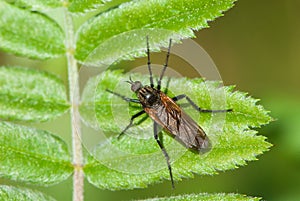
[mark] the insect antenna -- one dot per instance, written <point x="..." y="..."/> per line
<point x="149" y="64"/>
<point x="165" y="66"/>
<point x="130" y="80"/>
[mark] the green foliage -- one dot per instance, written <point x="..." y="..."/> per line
<point x="21" y="194"/>
<point x="117" y="32"/>
<point x="120" y="33"/>
<point x="208" y="197"/>
<point x="33" y="156"/>
<point x="117" y="163"/>
<point x="83" y="6"/>
<point x="36" y="4"/>
<point x="30" y="95"/>
<point x="29" y="34"/>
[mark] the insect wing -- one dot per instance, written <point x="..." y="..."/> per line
<point x="179" y="124"/>
<point x="192" y="135"/>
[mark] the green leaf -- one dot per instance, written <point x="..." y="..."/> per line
<point x="33" y="156"/>
<point x="120" y="33"/>
<point x="136" y="160"/>
<point x="30" y="95"/>
<point x="36" y="4"/>
<point x="206" y="196"/>
<point x="29" y="34"/>
<point x="22" y="194"/>
<point x="83" y="6"/>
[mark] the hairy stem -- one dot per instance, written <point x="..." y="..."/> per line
<point x="78" y="177"/>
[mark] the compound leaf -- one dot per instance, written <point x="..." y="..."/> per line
<point x="22" y="194"/>
<point x="135" y="160"/>
<point x="30" y="95"/>
<point x="33" y="156"/>
<point x="29" y="34"/>
<point x="120" y="32"/>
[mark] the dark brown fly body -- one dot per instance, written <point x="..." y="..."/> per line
<point x="166" y="113"/>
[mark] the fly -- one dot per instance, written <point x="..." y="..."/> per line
<point x="166" y="113"/>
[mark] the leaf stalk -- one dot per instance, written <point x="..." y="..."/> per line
<point x="74" y="97"/>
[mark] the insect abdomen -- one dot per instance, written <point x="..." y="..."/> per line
<point x="190" y="134"/>
<point x="178" y="124"/>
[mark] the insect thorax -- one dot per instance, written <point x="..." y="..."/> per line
<point x="149" y="96"/>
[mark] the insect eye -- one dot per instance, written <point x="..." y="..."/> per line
<point x="135" y="86"/>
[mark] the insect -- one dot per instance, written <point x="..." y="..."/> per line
<point x="166" y="113"/>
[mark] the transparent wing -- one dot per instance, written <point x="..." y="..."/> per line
<point x="179" y="124"/>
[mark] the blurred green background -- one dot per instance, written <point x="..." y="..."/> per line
<point x="256" y="46"/>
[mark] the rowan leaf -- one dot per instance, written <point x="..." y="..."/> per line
<point x="30" y="95"/>
<point x="135" y="160"/>
<point x="22" y="194"/>
<point x="120" y="32"/>
<point x="29" y="34"/>
<point x="33" y="156"/>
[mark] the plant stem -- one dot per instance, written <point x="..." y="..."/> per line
<point x="78" y="177"/>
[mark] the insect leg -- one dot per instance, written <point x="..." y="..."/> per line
<point x="164" y="151"/>
<point x="124" y="97"/>
<point x="131" y="122"/>
<point x="176" y="98"/>
<point x="149" y="64"/>
<point x="167" y="86"/>
<point x="165" y="66"/>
